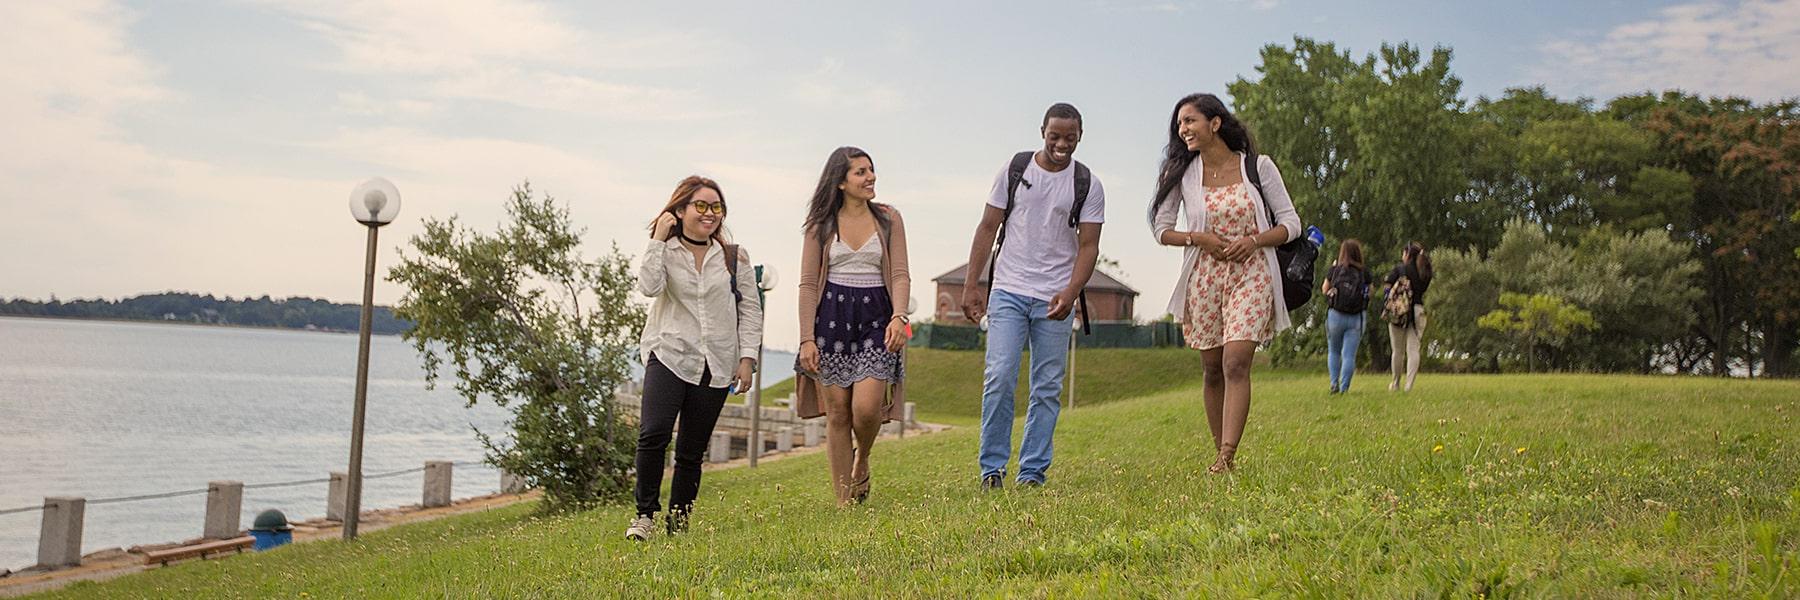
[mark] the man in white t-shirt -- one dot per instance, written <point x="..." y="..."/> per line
<point x="1046" y="256"/>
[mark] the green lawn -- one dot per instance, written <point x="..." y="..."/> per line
<point x="946" y="384"/>
<point x="1495" y="486"/>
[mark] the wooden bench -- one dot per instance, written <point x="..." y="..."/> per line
<point x="164" y="557"/>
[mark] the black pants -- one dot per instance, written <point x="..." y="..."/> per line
<point x="667" y="398"/>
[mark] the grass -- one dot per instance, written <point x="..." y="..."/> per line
<point x="1471" y="486"/>
<point x="946" y="384"/>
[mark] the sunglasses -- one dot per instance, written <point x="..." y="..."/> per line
<point x="705" y="208"/>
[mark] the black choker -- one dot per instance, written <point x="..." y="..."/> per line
<point x="693" y="241"/>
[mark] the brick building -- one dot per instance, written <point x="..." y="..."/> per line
<point x="1110" y="300"/>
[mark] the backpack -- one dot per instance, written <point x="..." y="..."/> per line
<point x="1350" y="290"/>
<point x="1398" y="308"/>
<point x="1295" y="257"/>
<point x="1015" y="175"/>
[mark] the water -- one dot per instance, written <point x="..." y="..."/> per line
<point x="107" y="409"/>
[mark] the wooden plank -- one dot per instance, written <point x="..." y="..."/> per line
<point x="201" y="550"/>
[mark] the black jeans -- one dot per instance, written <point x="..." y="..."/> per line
<point x="667" y="398"/>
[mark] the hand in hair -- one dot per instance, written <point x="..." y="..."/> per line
<point x="665" y="226"/>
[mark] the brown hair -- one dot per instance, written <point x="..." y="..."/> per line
<point x="1418" y="261"/>
<point x="1350" y="253"/>
<point x="684" y="193"/>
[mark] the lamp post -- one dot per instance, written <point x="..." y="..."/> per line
<point x="374" y="203"/>
<point x="765" y="281"/>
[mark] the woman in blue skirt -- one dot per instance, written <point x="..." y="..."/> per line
<point x="854" y="285"/>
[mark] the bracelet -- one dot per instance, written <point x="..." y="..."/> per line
<point x="805" y="342"/>
<point x="903" y="319"/>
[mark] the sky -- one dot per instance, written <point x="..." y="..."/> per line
<point x="210" y="146"/>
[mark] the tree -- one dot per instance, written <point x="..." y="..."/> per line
<point x="1537" y="321"/>
<point x="524" y="321"/>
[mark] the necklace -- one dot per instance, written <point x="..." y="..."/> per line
<point x="693" y="241"/>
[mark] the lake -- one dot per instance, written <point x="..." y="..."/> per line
<point x="110" y="409"/>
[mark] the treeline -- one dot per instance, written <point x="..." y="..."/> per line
<point x="1669" y="219"/>
<point x="292" y="313"/>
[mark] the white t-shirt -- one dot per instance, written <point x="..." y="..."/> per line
<point x="1039" y="256"/>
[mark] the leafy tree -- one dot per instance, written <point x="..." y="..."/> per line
<point x="524" y="321"/>
<point x="1537" y="321"/>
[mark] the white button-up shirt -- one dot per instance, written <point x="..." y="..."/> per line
<point x="693" y="326"/>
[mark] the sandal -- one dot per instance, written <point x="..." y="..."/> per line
<point x="1226" y="461"/>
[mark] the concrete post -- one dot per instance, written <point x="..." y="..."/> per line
<point x="335" y="493"/>
<point x="721" y="447"/>
<point x="224" y="509"/>
<point x="908" y="418"/>
<point x="437" y="483"/>
<point x="784" y="439"/>
<point x="512" y="484"/>
<point x="815" y="433"/>
<point x="59" y="541"/>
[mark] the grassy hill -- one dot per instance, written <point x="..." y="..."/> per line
<point x="946" y="384"/>
<point x="1495" y="486"/>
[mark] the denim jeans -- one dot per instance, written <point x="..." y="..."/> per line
<point x="1342" y="333"/>
<point x="1014" y="322"/>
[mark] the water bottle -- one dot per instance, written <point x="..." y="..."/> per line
<point x="1315" y="236"/>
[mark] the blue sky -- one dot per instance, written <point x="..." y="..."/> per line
<point x="210" y="145"/>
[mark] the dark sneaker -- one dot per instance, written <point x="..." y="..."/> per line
<point x="641" y="528"/>
<point x="992" y="482"/>
<point x="678" y="520"/>
<point x="1030" y="483"/>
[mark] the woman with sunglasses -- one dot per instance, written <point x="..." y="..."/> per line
<point x="699" y="345"/>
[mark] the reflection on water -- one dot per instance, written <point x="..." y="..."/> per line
<point x="106" y="409"/>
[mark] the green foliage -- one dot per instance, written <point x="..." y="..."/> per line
<point x="1536" y="321"/>
<point x="1540" y="486"/>
<point x="291" y="313"/>
<point x="523" y="321"/>
<point x="1638" y="287"/>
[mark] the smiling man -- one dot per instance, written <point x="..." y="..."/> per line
<point x="1046" y="210"/>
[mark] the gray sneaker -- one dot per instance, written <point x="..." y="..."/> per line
<point x="641" y="528"/>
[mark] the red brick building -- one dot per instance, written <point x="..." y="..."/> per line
<point x="1110" y="300"/>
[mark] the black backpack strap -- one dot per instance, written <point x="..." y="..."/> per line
<point x="1015" y="175"/>
<point x="1084" y="179"/>
<point x="1254" y="176"/>
<point x="731" y="266"/>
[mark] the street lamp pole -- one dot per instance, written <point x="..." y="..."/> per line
<point x="374" y="203"/>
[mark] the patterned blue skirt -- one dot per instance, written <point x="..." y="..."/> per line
<point x="848" y="330"/>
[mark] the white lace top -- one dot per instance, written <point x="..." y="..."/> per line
<point x="856" y="267"/>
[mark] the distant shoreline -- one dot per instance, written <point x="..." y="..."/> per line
<point x="189" y="324"/>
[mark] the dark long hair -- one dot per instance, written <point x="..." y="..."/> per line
<point x="684" y="194"/>
<point x="1177" y="156"/>
<point x="821" y="213"/>
<point x="1418" y="261"/>
<point x="1350" y="254"/>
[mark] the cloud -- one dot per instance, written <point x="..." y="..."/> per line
<point x="1749" y="48"/>
<point x="1179" y="6"/>
<point x="831" y="86"/>
<point x="513" y="52"/>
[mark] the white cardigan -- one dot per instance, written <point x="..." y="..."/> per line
<point x="1163" y="219"/>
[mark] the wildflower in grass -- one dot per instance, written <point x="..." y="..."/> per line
<point x="1438" y="449"/>
<point x="1519" y="450"/>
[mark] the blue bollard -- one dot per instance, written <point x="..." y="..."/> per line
<point x="271" y="529"/>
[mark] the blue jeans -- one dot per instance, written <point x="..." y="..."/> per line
<point x="1342" y="333"/>
<point x="1014" y="321"/>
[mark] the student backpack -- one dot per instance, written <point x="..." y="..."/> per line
<point x="1295" y="256"/>
<point x="1015" y="175"/>
<point x="1398" y="307"/>
<point x="1350" y="290"/>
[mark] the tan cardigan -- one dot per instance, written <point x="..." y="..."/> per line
<point x="813" y="269"/>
